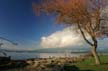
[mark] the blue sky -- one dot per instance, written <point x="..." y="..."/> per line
<point x="19" y="24"/>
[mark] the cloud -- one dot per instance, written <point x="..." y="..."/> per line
<point x="7" y="45"/>
<point x="31" y="45"/>
<point x="64" y="38"/>
<point x="69" y="38"/>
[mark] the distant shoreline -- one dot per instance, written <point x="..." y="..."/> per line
<point x="27" y="55"/>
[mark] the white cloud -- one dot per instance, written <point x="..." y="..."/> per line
<point x="7" y="45"/>
<point x="64" y="38"/>
<point x="68" y="38"/>
<point x="21" y="46"/>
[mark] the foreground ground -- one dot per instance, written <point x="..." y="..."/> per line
<point x="89" y="64"/>
<point x="65" y="64"/>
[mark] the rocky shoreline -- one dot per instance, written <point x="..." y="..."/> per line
<point x="42" y="64"/>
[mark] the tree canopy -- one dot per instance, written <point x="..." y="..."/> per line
<point x="87" y="15"/>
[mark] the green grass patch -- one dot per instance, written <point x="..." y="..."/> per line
<point x="89" y="64"/>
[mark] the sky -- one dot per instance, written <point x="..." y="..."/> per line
<point x="19" y="24"/>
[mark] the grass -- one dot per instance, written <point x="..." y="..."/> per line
<point x="88" y="65"/>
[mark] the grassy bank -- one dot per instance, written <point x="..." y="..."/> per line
<point x="88" y="64"/>
<point x="66" y="65"/>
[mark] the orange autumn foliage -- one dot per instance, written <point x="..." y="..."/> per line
<point x="86" y="15"/>
<point x="74" y="12"/>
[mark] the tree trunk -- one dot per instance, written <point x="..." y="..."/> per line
<point x="95" y="54"/>
<point x="94" y="44"/>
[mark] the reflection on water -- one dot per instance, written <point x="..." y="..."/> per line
<point x="26" y="55"/>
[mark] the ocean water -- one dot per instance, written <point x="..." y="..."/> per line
<point x="27" y="55"/>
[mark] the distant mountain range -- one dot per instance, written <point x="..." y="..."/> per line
<point x="58" y="50"/>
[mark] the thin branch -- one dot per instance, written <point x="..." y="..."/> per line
<point x="98" y="25"/>
<point x="84" y="36"/>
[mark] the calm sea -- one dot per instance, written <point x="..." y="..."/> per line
<point x="26" y="55"/>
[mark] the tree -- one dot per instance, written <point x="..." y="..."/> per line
<point x="83" y="14"/>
